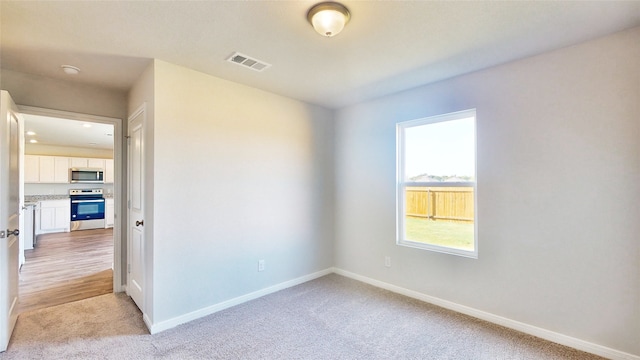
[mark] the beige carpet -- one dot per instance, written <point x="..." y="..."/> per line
<point x="329" y="318"/>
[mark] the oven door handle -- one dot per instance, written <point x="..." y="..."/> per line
<point x="85" y="201"/>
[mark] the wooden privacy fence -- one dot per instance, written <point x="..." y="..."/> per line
<point x="453" y="204"/>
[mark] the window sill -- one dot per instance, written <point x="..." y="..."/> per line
<point x="440" y="249"/>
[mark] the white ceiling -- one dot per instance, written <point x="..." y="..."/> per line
<point x="388" y="46"/>
<point x="73" y="133"/>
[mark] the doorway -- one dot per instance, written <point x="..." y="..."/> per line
<point x="67" y="265"/>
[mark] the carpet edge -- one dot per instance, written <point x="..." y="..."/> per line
<point x="155" y="328"/>
<point x="549" y="335"/>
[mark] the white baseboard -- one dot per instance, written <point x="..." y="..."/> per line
<point x="496" y="319"/>
<point x="168" y="324"/>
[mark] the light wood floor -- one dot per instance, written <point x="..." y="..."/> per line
<point x="66" y="267"/>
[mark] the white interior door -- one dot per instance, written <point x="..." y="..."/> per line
<point x="9" y="217"/>
<point x="136" y="248"/>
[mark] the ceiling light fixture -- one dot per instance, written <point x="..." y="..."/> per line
<point x="328" y="18"/>
<point x="70" y="70"/>
<point x="33" y="141"/>
<point x="86" y="125"/>
<point x="30" y="133"/>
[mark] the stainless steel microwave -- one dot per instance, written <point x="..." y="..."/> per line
<point x="86" y="175"/>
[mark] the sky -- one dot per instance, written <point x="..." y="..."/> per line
<point x="443" y="149"/>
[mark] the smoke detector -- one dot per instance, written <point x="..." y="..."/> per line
<point x="247" y="61"/>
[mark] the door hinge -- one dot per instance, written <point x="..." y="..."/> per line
<point x="128" y="204"/>
<point x="129" y="268"/>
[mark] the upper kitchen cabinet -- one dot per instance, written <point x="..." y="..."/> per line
<point x="95" y="163"/>
<point x="55" y="169"/>
<point x="76" y="162"/>
<point x="60" y="169"/>
<point x="46" y="169"/>
<point x="31" y="168"/>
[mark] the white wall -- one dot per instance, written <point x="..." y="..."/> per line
<point x="558" y="174"/>
<point x="71" y="151"/>
<point x="39" y="91"/>
<point x="239" y="175"/>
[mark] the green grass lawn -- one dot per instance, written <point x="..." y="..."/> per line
<point x="456" y="235"/>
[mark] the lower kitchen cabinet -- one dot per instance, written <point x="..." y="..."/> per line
<point x="55" y="216"/>
<point x="109" y="214"/>
<point x="29" y="226"/>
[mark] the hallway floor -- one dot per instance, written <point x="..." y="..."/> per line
<point x="66" y="267"/>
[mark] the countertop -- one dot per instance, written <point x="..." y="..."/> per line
<point x="33" y="199"/>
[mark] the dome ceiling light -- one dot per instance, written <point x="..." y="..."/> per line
<point x="328" y="18"/>
<point x="70" y="70"/>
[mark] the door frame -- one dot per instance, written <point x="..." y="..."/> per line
<point x="119" y="174"/>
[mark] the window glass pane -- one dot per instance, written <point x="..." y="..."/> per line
<point x="440" y="216"/>
<point x="443" y="151"/>
<point x="439" y="213"/>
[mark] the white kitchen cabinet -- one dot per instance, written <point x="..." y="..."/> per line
<point x="95" y="163"/>
<point x="55" y="216"/>
<point x="108" y="171"/>
<point x="76" y="162"/>
<point x="29" y="221"/>
<point x="36" y="220"/>
<point x="46" y="169"/>
<point x="55" y="169"/>
<point x="31" y="168"/>
<point x="109" y="214"/>
<point x="61" y="169"/>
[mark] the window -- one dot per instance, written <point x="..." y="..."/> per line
<point x="436" y="183"/>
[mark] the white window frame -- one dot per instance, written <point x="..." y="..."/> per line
<point x="401" y="184"/>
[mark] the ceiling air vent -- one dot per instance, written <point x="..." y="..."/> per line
<point x="247" y="61"/>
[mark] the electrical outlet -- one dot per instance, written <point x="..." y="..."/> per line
<point x="387" y="261"/>
<point x="260" y="265"/>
